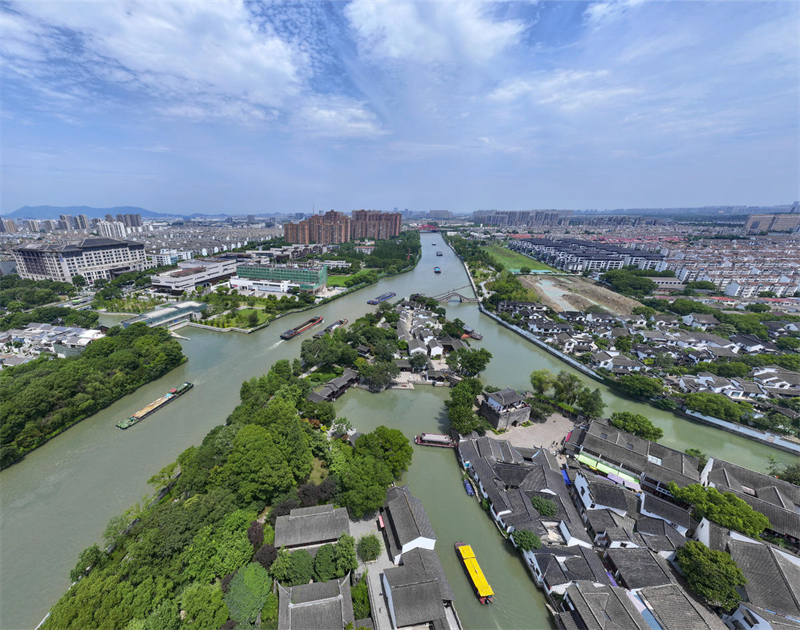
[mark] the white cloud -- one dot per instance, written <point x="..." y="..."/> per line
<point x="338" y="117"/>
<point x="566" y="89"/>
<point x="173" y="51"/>
<point x="431" y="31"/>
<point x="606" y="11"/>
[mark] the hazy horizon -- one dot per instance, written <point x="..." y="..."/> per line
<point x="227" y="107"/>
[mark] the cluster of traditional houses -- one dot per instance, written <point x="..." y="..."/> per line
<point x="577" y="334"/>
<point x="21" y="345"/>
<point x="412" y="583"/>
<point x="608" y="550"/>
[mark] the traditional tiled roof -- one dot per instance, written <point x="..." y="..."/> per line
<point x="316" y="606"/>
<point x="639" y="568"/>
<point x="311" y="526"/>
<point x="773" y="581"/>
<point x="407" y="518"/>
<point x="674" y="609"/>
<point x="601" y="608"/>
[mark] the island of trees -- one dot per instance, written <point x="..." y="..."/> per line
<point x="44" y="397"/>
<point x="202" y="556"/>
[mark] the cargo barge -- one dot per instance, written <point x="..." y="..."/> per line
<point x="434" y="439"/>
<point x="337" y="324"/>
<point x="474" y="572"/>
<point x="437" y="270"/>
<point x="154" y="406"/>
<point x="297" y="330"/>
<point x="381" y="298"/>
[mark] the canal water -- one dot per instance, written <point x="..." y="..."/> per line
<point x="58" y="500"/>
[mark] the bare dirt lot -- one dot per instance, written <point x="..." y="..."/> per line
<point x="567" y="293"/>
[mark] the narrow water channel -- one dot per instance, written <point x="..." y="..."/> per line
<point x="58" y="500"/>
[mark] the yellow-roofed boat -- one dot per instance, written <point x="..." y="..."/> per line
<point x="473" y="569"/>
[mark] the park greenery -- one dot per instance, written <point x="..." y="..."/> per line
<point x="712" y="575"/>
<point x="203" y="555"/>
<point x="718" y="406"/>
<point x="459" y="407"/>
<point x="723" y="508"/>
<point x="469" y="362"/>
<point x="17" y="294"/>
<point x="41" y="398"/>
<point x="637" y="424"/>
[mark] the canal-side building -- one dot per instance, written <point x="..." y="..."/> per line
<point x="307" y="277"/>
<point x="92" y="258"/>
<point x="417" y="590"/>
<point x="407" y="523"/>
<point x="505" y="409"/>
<point x="169" y="315"/>
<point x="194" y="273"/>
<point x="311" y="527"/>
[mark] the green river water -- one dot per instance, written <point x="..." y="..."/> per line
<point x="58" y="500"/>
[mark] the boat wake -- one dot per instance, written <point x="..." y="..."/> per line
<point x="275" y="345"/>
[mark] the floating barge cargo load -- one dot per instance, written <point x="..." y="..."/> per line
<point x="434" y="439"/>
<point x="154" y="406"/>
<point x="337" y="324"/>
<point x="381" y="298"/>
<point x="473" y="569"/>
<point x="293" y="332"/>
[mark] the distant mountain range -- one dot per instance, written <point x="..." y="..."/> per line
<point x="52" y="212"/>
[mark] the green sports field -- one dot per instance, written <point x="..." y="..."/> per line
<point x="515" y="260"/>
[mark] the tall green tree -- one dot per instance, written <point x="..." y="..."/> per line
<point x="204" y="607"/>
<point x="542" y="381"/>
<point x="723" y="508"/>
<point x="567" y="387"/>
<point x="256" y="469"/>
<point x="390" y="446"/>
<point x="248" y="593"/>
<point x="637" y="424"/>
<point x="712" y="575"/>
<point x="591" y="403"/>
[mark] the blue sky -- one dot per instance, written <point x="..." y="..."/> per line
<point x="249" y="107"/>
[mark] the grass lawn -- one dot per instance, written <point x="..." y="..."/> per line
<point x="318" y="471"/>
<point x="514" y="260"/>
<point x="338" y="281"/>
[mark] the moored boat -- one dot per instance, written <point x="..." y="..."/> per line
<point x="381" y="298"/>
<point x="434" y="439"/>
<point x="477" y="579"/>
<point x="337" y="324"/>
<point x="438" y="253"/>
<point x="297" y="330"/>
<point x="154" y="406"/>
<point x="468" y="487"/>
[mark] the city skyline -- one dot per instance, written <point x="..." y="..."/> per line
<point x="613" y="104"/>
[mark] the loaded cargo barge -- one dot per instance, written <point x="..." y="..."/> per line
<point x="435" y="439"/>
<point x="154" y="406"/>
<point x="297" y="330"/>
<point x="337" y="324"/>
<point x="474" y="572"/>
<point x="381" y="298"/>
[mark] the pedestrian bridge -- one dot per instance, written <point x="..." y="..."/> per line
<point x="455" y="294"/>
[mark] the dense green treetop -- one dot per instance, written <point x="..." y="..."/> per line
<point x="712" y="575"/>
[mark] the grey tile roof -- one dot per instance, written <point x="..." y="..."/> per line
<point x="666" y="510"/>
<point x="601" y="608"/>
<point x="317" y="606"/>
<point x="506" y="397"/>
<point x="773" y="581"/>
<point x="674" y="609"/>
<point x="776" y="622"/>
<point x="427" y="561"/>
<point x="407" y="517"/>
<point x="416" y="598"/>
<point x="311" y="526"/>
<point x="639" y="568"/>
